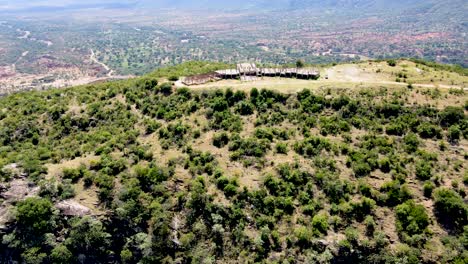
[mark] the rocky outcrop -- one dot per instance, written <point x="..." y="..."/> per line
<point x="72" y="208"/>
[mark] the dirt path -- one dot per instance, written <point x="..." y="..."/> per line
<point x="92" y="57"/>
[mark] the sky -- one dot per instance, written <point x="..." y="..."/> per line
<point x="16" y="5"/>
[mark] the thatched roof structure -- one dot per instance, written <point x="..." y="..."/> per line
<point x="250" y="72"/>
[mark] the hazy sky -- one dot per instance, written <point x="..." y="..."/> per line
<point x="26" y="4"/>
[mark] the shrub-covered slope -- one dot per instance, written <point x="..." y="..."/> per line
<point x="178" y="176"/>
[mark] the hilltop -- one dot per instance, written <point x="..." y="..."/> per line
<point x="372" y="73"/>
<point x="142" y="171"/>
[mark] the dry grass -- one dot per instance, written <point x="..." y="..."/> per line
<point x="352" y="76"/>
<point x="55" y="170"/>
<point x="88" y="197"/>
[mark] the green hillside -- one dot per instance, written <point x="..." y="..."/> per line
<point x="139" y="171"/>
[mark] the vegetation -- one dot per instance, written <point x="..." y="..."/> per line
<point x="180" y="176"/>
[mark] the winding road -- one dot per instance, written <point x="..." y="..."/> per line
<point x="92" y="57"/>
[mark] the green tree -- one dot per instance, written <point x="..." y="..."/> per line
<point x="412" y="142"/>
<point x="452" y="210"/>
<point x="35" y="215"/>
<point x="33" y="256"/>
<point x="88" y="236"/>
<point x="412" y="218"/>
<point x="454" y="133"/>
<point x="451" y="115"/>
<point x="392" y="63"/>
<point x="300" y="64"/>
<point x="320" y="223"/>
<point x="61" y="255"/>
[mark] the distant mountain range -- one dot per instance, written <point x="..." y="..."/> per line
<point x="344" y="5"/>
<point x="335" y="5"/>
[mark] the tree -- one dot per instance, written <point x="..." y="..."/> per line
<point x="220" y="140"/>
<point x="61" y="255"/>
<point x="87" y="236"/>
<point x="174" y="78"/>
<point x="320" y="223"/>
<point x="451" y="210"/>
<point x="300" y="64"/>
<point x="454" y="133"/>
<point x="412" y="218"/>
<point x="33" y="256"/>
<point x="423" y="170"/>
<point x="166" y="88"/>
<point x="451" y="115"/>
<point x="35" y="215"/>
<point x="411" y="142"/>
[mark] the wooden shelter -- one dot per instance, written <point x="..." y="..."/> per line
<point x="228" y="74"/>
<point x="201" y="79"/>
<point x="250" y="72"/>
<point x="247" y="69"/>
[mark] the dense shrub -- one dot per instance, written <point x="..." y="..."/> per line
<point x="312" y="146"/>
<point x="320" y="224"/>
<point x="249" y="147"/>
<point x="451" y="115"/>
<point x="428" y="188"/>
<point x="412" y="219"/>
<point x="411" y="142"/>
<point x="245" y="108"/>
<point x="221" y="139"/>
<point x="427" y="130"/>
<point x="395" y="193"/>
<point x="451" y="210"/>
<point x="168" y="205"/>
<point x="35" y="216"/>
<point x="454" y="133"/>
<point x="392" y="63"/>
<point x="424" y="170"/>
<point x="281" y="148"/>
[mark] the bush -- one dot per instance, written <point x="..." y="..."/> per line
<point x="428" y="188"/>
<point x="361" y="169"/>
<point x="245" y="108"/>
<point x="222" y="182"/>
<point x="423" y="170"/>
<point x="220" y="140"/>
<point x="451" y="115"/>
<point x="396" y="193"/>
<point x="264" y="133"/>
<point x="454" y="133"/>
<point x="396" y="129"/>
<point x="452" y="211"/>
<point x="35" y="215"/>
<point x="281" y="148"/>
<point x="249" y="147"/>
<point x="75" y="174"/>
<point x="230" y="189"/>
<point x="427" y="130"/>
<point x="312" y="146"/>
<point x="411" y="142"/>
<point x="412" y="219"/>
<point x="174" y="78"/>
<point x="391" y="63"/>
<point x="61" y="254"/>
<point x="303" y="235"/>
<point x="166" y="88"/>
<point x="320" y="224"/>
